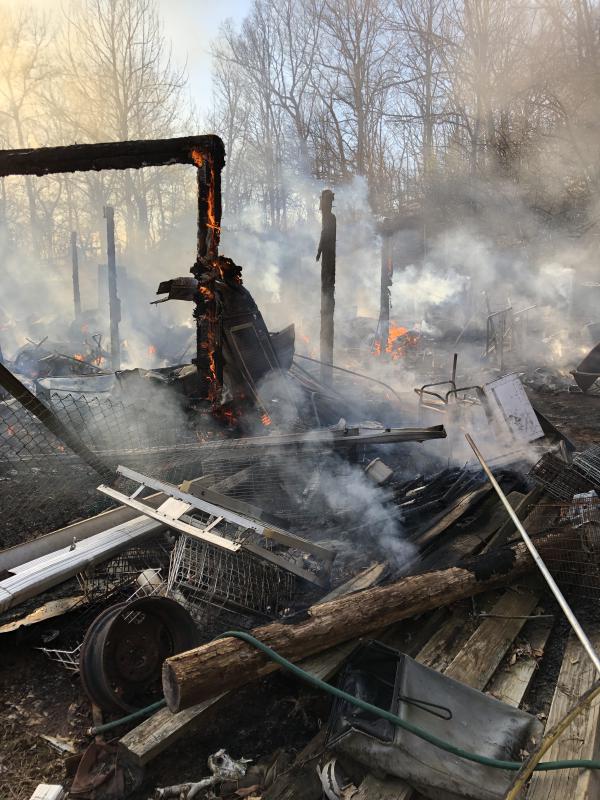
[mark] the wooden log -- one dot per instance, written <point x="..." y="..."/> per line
<point x="227" y="663"/>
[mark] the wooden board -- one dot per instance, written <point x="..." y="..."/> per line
<point x="510" y="684"/>
<point x="581" y="739"/>
<point x="470" y="535"/>
<point x="508" y="530"/>
<point x="451" y="515"/>
<point x="483" y="652"/>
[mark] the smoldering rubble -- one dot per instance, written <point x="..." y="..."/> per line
<point x="313" y="576"/>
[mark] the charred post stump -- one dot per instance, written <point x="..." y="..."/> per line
<point x="228" y="663"/>
<point x="114" y="305"/>
<point x="75" y="264"/>
<point x="326" y="254"/>
<point x="387" y="271"/>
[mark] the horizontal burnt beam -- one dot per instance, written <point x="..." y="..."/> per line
<point x="111" y="155"/>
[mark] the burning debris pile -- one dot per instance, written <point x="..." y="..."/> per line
<point x="275" y="531"/>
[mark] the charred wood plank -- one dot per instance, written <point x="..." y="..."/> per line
<point x="581" y="739"/>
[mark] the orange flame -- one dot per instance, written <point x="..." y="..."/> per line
<point x="265" y="419"/>
<point x="151" y="350"/>
<point x="198" y="158"/>
<point x="79" y="357"/>
<point x="396" y="348"/>
<point x="396" y="331"/>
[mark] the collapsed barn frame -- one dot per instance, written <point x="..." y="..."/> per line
<point x="206" y="153"/>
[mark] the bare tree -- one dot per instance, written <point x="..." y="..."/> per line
<point x="119" y="83"/>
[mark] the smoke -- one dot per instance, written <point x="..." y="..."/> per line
<point x="280" y="267"/>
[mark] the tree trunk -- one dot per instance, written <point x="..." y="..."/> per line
<point x="224" y="664"/>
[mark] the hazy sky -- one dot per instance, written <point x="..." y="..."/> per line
<point x="191" y="24"/>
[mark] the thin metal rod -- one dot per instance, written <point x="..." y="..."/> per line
<point x="350" y="372"/>
<point x="573" y="621"/>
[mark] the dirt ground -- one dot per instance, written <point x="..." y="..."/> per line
<point x="575" y="415"/>
<point x="39" y="698"/>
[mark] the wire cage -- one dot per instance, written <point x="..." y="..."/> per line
<point x="559" y="479"/>
<point x="202" y="574"/>
<point x="587" y="463"/>
<point x="575" y="562"/>
<point x="138" y="571"/>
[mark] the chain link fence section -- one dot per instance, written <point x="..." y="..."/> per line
<point x="55" y="449"/>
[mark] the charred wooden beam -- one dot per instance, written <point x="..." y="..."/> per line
<point x="111" y="155"/>
<point x="387" y="271"/>
<point x="207" y="154"/>
<point x="228" y="663"/>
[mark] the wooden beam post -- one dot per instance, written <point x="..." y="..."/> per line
<point x="75" y="264"/>
<point x="387" y="271"/>
<point x="114" y="304"/>
<point x="326" y="254"/>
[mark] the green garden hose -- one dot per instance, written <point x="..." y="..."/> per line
<point x="496" y="763"/>
<point x="402" y="723"/>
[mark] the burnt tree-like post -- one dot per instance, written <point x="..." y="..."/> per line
<point x="114" y="305"/>
<point x="75" y="264"/>
<point x="326" y="254"/>
<point x="387" y="272"/>
<point x="209" y="355"/>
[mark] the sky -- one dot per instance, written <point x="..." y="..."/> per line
<point x="191" y="25"/>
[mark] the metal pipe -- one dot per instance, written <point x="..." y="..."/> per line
<point x="573" y="621"/>
<point x="351" y="372"/>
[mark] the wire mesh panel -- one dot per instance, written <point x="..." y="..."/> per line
<point x="587" y="463"/>
<point x="575" y="562"/>
<point x="201" y="574"/>
<point x="46" y="483"/>
<point x="559" y="479"/>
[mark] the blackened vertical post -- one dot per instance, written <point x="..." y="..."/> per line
<point x="326" y="253"/>
<point x="114" y="305"/>
<point x="387" y="272"/>
<point x="75" y="263"/>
